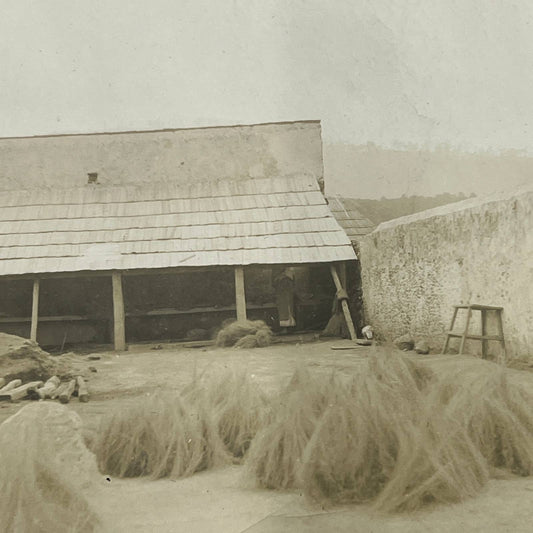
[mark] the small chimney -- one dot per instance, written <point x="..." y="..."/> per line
<point x="92" y="177"/>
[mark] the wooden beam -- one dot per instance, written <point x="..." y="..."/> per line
<point x="34" y="310"/>
<point x="342" y="274"/>
<point x="240" y="296"/>
<point x="344" y="303"/>
<point x="118" y="313"/>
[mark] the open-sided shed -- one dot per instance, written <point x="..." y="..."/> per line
<point x="86" y="255"/>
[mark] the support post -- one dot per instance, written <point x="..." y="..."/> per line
<point x="484" y="342"/>
<point x="342" y="275"/>
<point x="465" y="334"/>
<point x="35" y="310"/>
<point x="118" y="313"/>
<point x="240" y="296"/>
<point x="503" y="355"/>
<point x="344" y="303"/>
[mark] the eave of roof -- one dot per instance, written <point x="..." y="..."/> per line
<point x="162" y="225"/>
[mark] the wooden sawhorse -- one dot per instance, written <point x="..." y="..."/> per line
<point x="484" y="338"/>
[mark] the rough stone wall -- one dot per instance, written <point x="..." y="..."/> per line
<point x="188" y="155"/>
<point x="415" y="268"/>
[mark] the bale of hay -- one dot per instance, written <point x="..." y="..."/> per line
<point x="162" y="436"/>
<point x="44" y="469"/>
<point x="235" y="331"/>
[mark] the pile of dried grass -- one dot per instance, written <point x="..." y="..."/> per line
<point x="353" y="451"/>
<point x="162" y="436"/>
<point x="43" y="469"/>
<point x="497" y="416"/>
<point x="275" y="455"/>
<point x="245" y="334"/>
<point x="386" y="437"/>
<point x="238" y="406"/>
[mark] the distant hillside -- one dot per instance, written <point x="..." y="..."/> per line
<point x="388" y="208"/>
<point x="371" y="171"/>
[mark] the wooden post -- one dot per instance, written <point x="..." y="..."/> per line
<point x="240" y="296"/>
<point x="344" y="303"/>
<point x="118" y="313"/>
<point x="465" y="334"/>
<point x="342" y="275"/>
<point x="503" y="355"/>
<point x="484" y="342"/>
<point x="34" y="310"/>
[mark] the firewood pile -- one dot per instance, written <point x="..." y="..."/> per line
<point x="53" y="389"/>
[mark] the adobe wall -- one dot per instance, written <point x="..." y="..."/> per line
<point x="201" y="154"/>
<point x="415" y="268"/>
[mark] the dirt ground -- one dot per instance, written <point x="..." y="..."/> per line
<point x="222" y="500"/>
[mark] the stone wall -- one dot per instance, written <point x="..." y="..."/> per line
<point x="187" y="155"/>
<point x="415" y="268"/>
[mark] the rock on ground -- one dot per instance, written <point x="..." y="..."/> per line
<point x="23" y="359"/>
<point x="405" y="342"/>
<point x="51" y="427"/>
<point x="422" y="347"/>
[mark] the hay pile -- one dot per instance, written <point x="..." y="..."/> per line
<point x="245" y="334"/>
<point x="497" y="416"/>
<point x="162" y="436"/>
<point x="239" y="409"/>
<point x="394" y="435"/>
<point x="211" y="423"/>
<point x="274" y="458"/>
<point x="44" y="467"/>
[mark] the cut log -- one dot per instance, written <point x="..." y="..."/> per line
<point x="83" y="393"/>
<point x="65" y="395"/>
<point x="11" y="385"/>
<point x="59" y="390"/>
<point x="49" y="387"/>
<point x="20" y="392"/>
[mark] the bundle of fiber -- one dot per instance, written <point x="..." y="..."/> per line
<point x="498" y="417"/>
<point x="436" y="462"/>
<point x="163" y="436"/>
<point x="353" y="450"/>
<point x="238" y="406"/>
<point x="44" y="468"/>
<point x="248" y="341"/>
<point x="232" y="333"/>
<point x="336" y="327"/>
<point x="275" y="455"/>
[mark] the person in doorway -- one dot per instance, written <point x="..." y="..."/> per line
<point x="283" y="282"/>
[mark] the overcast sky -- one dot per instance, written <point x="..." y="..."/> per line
<point x="396" y="73"/>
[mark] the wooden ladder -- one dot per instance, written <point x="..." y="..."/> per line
<point x="484" y="338"/>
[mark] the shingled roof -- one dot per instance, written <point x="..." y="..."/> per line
<point x="163" y="224"/>
<point x="348" y="215"/>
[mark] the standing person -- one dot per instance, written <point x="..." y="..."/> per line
<point x="283" y="282"/>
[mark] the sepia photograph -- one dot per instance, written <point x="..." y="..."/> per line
<point x="266" y="266"/>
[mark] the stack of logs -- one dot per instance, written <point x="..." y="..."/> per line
<point x="38" y="390"/>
